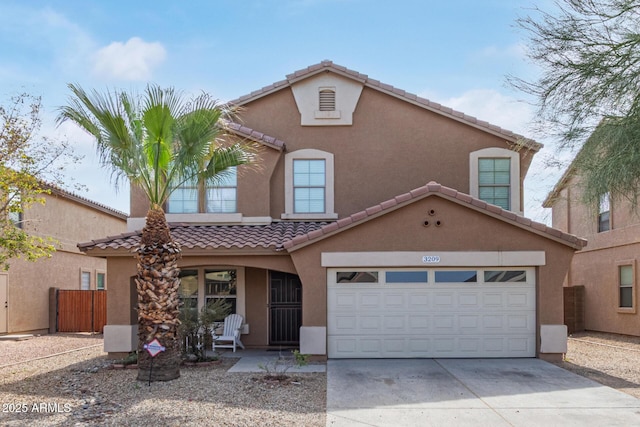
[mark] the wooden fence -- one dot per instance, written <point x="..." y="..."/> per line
<point x="574" y="308"/>
<point x="81" y="311"/>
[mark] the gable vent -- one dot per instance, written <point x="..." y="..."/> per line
<point x="327" y="100"/>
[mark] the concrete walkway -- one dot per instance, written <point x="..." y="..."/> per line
<point x="470" y="392"/>
<point x="275" y="361"/>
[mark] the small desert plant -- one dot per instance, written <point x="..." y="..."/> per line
<point x="196" y="327"/>
<point x="131" y="359"/>
<point x="278" y="368"/>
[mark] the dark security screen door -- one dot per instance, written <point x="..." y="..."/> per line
<point x="285" y="308"/>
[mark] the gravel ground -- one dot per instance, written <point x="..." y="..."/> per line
<point x="77" y="388"/>
<point x="609" y="359"/>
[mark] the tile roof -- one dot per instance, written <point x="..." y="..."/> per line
<point x="254" y="135"/>
<point x="271" y="236"/>
<point x="327" y="65"/>
<point x="433" y="188"/>
<point x="83" y="200"/>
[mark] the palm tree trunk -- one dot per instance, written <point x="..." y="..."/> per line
<point x="158" y="303"/>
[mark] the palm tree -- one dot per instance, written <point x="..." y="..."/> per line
<point x="158" y="141"/>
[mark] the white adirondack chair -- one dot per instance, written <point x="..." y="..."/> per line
<point x="230" y="334"/>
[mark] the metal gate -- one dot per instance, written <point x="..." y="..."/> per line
<point x="285" y="308"/>
<point x="81" y="311"/>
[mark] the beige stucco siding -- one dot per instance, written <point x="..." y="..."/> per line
<point x="393" y="146"/>
<point x="462" y="230"/>
<point x="68" y="222"/>
<point x="388" y="136"/>
<point x="29" y="283"/>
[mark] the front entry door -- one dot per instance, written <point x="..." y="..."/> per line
<point x="4" y="306"/>
<point x="285" y="308"/>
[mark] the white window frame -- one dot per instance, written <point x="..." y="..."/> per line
<point x="497" y="153"/>
<point x="309" y="154"/>
<point x="604" y="207"/>
<point x="222" y="186"/>
<point x="201" y="190"/>
<point x="626" y="263"/>
<point x="104" y="278"/>
<point x="85" y="273"/>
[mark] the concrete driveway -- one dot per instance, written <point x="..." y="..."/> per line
<point x="470" y="392"/>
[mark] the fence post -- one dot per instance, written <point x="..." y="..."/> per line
<point x="53" y="310"/>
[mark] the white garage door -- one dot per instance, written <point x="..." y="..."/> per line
<point x="399" y="313"/>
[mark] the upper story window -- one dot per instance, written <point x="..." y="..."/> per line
<point x="184" y="199"/>
<point x="193" y="197"/>
<point x="222" y="197"/>
<point x="604" y="213"/>
<point x="494" y="181"/>
<point x="494" y="176"/>
<point x="309" y="185"/>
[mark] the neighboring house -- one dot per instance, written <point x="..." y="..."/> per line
<point x="69" y="219"/>
<point x="379" y="224"/>
<point x="607" y="266"/>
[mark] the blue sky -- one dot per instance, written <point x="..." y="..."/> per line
<point x="456" y="53"/>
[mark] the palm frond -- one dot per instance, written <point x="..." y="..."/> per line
<point x="159" y="140"/>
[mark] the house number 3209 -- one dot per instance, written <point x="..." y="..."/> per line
<point x="430" y="259"/>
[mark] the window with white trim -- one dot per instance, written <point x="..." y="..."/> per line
<point x="101" y="281"/>
<point x="222" y="196"/>
<point x="626" y="286"/>
<point x="184" y="199"/>
<point x="309" y="185"/>
<point x="221" y="285"/>
<point x="188" y="293"/>
<point x="219" y="196"/>
<point x="494" y="176"/>
<point x="494" y="181"/>
<point x="604" y="213"/>
<point x="85" y="280"/>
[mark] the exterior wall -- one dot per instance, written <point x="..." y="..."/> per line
<point x="29" y="283"/>
<point x="595" y="267"/>
<point x="388" y="135"/>
<point x="69" y="222"/>
<point x="122" y="297"/>
<point x="257" y="297"/>
<point x="462" y="230"/>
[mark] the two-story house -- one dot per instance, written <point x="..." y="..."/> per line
<point x="606" y="268"/>
<point x="68" y="218"/>
<point x="379" y="224"/>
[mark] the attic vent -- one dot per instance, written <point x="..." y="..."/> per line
<point x="327" y="100"/>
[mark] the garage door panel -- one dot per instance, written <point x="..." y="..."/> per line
<point x="344" y="300"/>
<point x="442" y="300"/>
<point x="418" y="301"/>
<point x="443" y="323"/>
<point x="395" y="324"/>
<point x="469" y="300"/>
<point x="432" y="319"/>
<point x="370" y="300"/>
<point x="369" y="324"/>
<point x="394" y="301"/>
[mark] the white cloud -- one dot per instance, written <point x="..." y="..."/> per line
<point x="133" y="60"/>
<point x="493" y="107"/>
